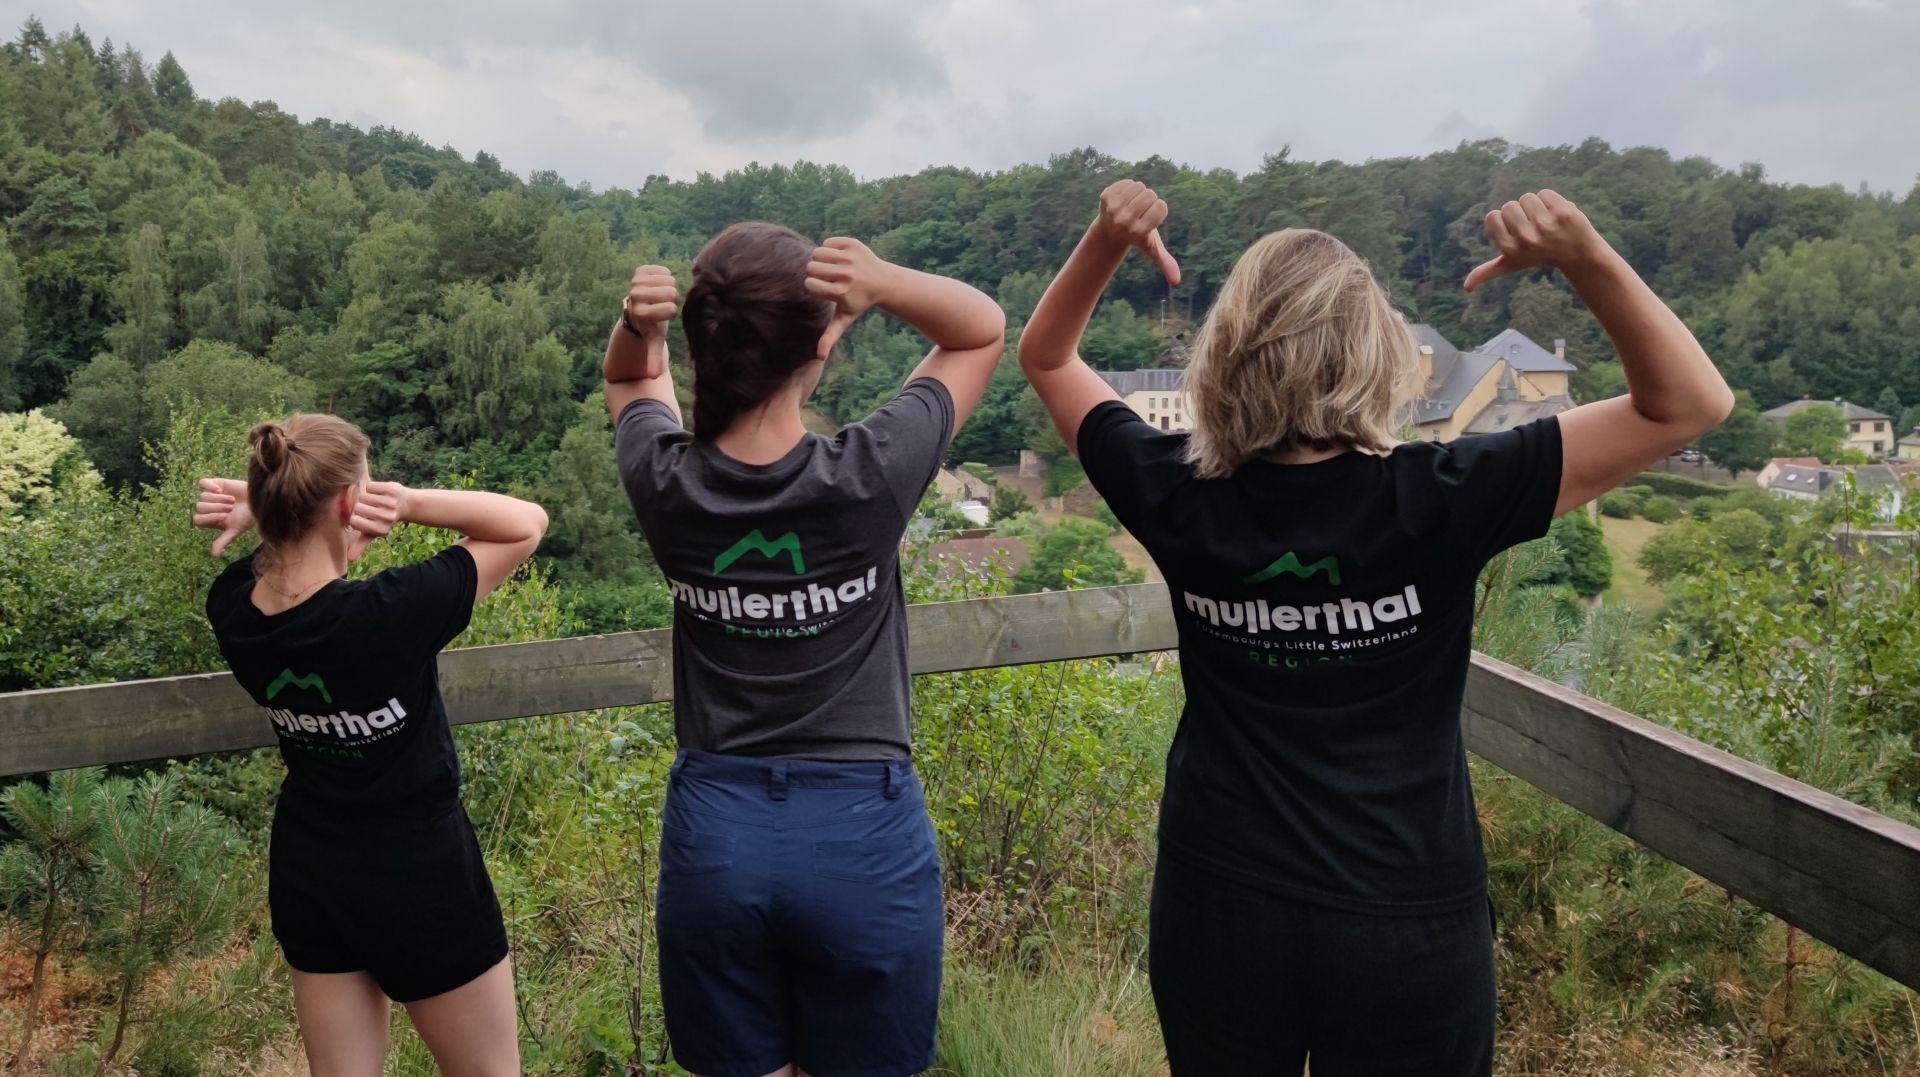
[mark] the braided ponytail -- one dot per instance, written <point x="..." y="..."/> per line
<point x="750" y="323"/>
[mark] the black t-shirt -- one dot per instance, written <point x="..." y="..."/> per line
<point x="789" y="621"/>
<point x="350" y="680"/>
<point x="1325" y="614"/>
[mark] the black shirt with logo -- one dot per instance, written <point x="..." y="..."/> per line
<point x="1325" y="614"/>
<point x="789" y="620"/>
<point x="350" y="680"/>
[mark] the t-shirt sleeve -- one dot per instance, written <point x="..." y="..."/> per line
<point x="423" y="606"/>
<point x="1500" y="489"/>
<point x="1130" y="463"/>
<point x="646" y="431"/>
<point x="227" y="587"/>
<point x="912" y="432"/>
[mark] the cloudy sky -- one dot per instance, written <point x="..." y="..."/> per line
<point x="1820" y="91"/>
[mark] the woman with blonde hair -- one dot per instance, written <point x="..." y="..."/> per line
<point x="1321" y="893"/>
<point x="376" y="886"/>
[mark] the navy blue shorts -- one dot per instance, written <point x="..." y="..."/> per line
<point x="801" y="917"/>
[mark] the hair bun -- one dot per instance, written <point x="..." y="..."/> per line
<point x="271" y="444"/>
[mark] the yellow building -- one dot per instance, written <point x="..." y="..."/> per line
<point x="1155" y="395"/>
<point x="1504" y="383"/>
<point x="1910" y="446"/>
<point x="1868" y="431"/>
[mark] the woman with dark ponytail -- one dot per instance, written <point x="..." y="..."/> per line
<point x="800" y="910"/>
<point x="375" y="880"/>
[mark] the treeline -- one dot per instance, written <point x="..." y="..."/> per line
<point x="161" y="248"/>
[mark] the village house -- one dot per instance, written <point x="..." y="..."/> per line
<point x="1909" y="447"/>
<point x="1803" y="478"/>
<point x="1868" y="431"/>
<point x="1504" y="383"/>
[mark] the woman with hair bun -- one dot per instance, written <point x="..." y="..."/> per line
<point x="376" y="885"/>
<point x="800" y="909"/>
<point x="1321" y="895"/>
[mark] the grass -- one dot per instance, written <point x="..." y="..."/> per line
<point x="1062" y="1022"/>
<point x="1631" y="587"/>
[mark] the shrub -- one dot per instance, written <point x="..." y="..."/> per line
<point x="1661" y="510"/>
<point x="1680" y="486"/>
<point x="1617" y="504"/>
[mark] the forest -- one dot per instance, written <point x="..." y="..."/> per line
<point x="173" y="268"/>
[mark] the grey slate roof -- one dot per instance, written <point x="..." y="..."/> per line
<point x="1128" y="382"/>
<point x="1853" y="412"/>
<point x="1522" y="354"/>
<point x="1811" y="481"/>
<point x="1462" y="375"/>
<point x="1444" y="353"/>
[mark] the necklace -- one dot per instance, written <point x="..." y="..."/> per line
<point x="284" y="593"/>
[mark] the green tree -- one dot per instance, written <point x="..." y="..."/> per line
<point x="1745" y="441"/>
<point x="1008" y="502"/>
<point x="1676" y="552"/>
<point x="106" y="410"/>
<point x="1074" y="553"/>
<point x="1888" y="404"/>
<point x="167" y="889"/>
<point x="208" y="375"/>
<point x="1588" y="566"/>
<point x="46" y="872"/>
<point x="13" y="330"/>
<point x="144" y="299"/>
<point x="592" y="534"/>
<point x="38" y="459"/>
<point x="1818" y="430"/>
<point x="508" y="379"/>
<point x="233" y="306"/>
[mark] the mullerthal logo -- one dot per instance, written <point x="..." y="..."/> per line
<point x="1289" y="565"/>
<point x="1254" y="616"/>
<point x="756" y="542"/>
<point x="345" y="725"/>
<point x="311" y="682"/>
<point x="747" y="612"/>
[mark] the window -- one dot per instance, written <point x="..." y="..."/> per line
<point x="1163" y="422"/>
<point x="1879" y="428"/>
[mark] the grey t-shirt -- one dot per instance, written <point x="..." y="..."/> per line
<point x="789" y="621"/>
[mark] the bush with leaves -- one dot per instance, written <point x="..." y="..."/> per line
<point x="1660" y="510"/>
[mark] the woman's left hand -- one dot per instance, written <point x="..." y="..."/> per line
<point x="854" y="278"/>
<point x="379" y="508"/>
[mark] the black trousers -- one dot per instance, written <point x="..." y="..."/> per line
<point x="1250" y="983"/>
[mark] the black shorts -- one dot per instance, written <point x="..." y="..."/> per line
<point x="1249" y="982"/>
<point x="405" y="900"/>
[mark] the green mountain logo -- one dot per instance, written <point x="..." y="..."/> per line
<point x="1289" y="563"/>
<point x="788" y="544"/>
<point x="312" y="682"/>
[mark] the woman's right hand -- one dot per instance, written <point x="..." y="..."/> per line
<point x="652" y="300"/>
<point x="223" y="507"/>
<point x="1131" y="213"/>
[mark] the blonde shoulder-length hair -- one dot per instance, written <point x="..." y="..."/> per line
<point x="1301" y="349"/>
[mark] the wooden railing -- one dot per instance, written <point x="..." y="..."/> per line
<point x="1842" y="873"/>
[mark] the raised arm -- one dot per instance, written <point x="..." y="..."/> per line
<point x="1674" y="392"/>
<point x="500" y="532"/>
<point x="636" y="363"/>
<point x="967" y="328"/>
<point x="1130" y="216"/>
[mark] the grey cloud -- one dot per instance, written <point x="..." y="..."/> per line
<point x="1817" y="92"/>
